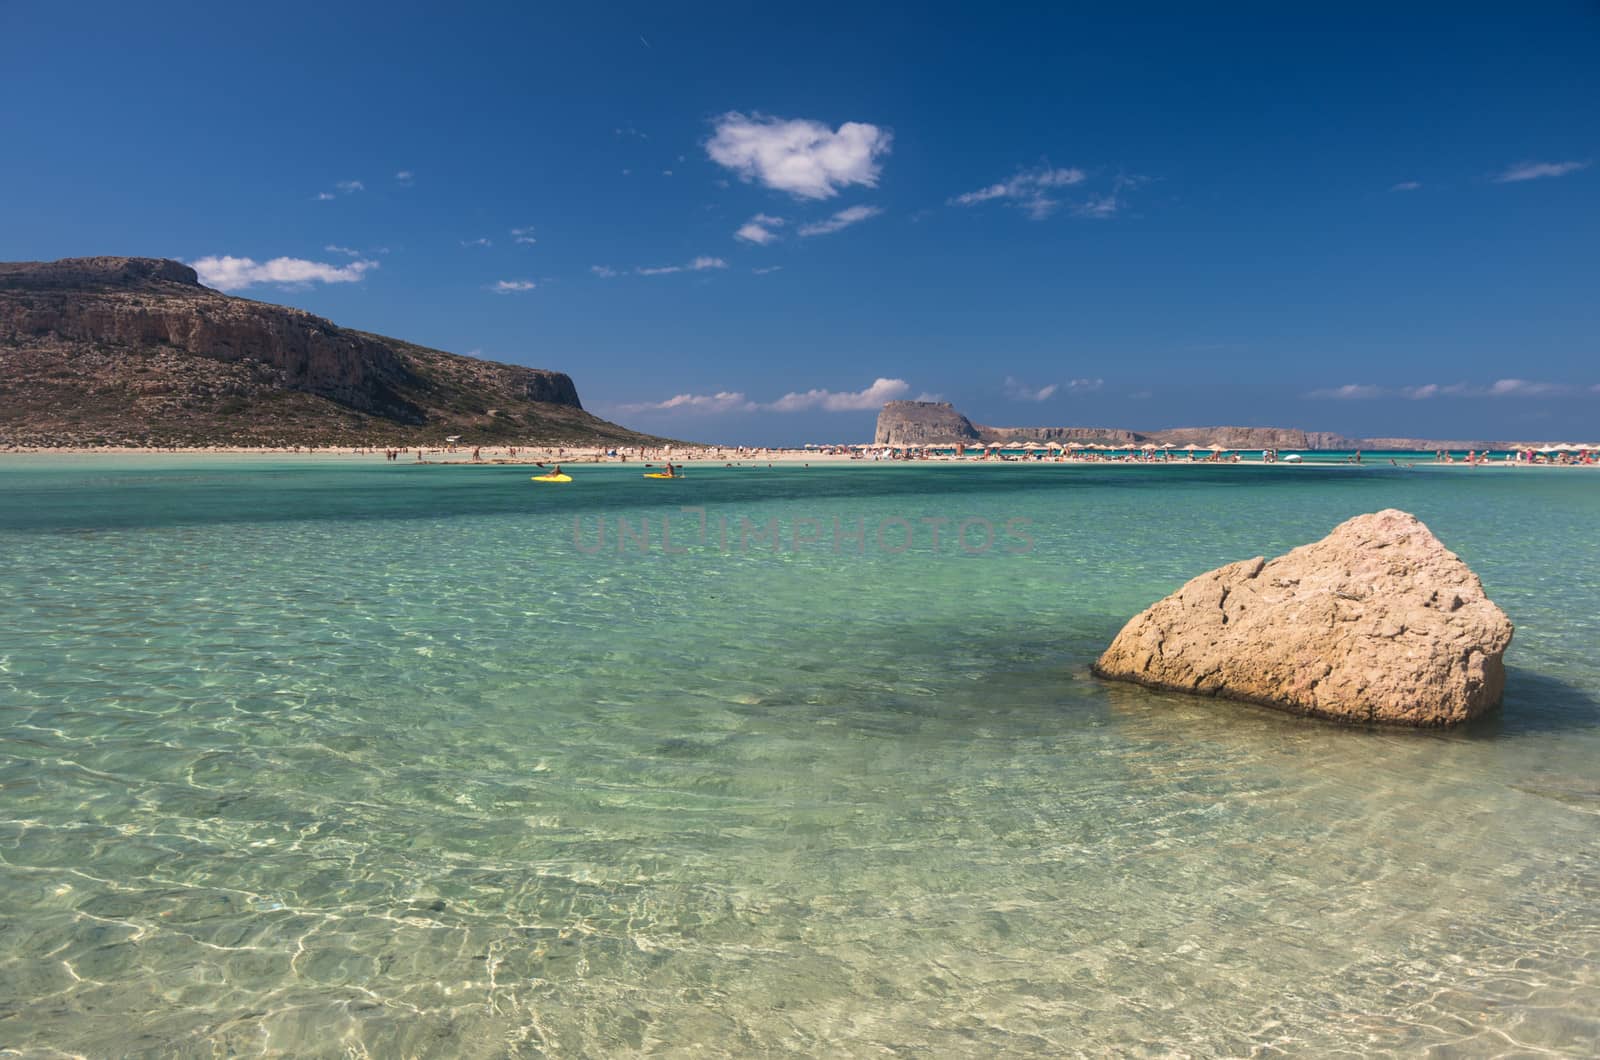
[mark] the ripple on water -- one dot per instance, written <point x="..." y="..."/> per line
<point x="320" y="764"/>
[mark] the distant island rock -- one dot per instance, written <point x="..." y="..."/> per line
<point x="923" y="423"/>
<point x="1376" y="623"/>
<point x="134" y="351"/>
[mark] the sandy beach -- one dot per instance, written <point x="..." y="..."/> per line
<point x="745" y="455"/>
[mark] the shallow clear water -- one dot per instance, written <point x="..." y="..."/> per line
<point x="315" y="759"/>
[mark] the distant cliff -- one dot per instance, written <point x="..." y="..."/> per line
<point x="937" y="422"/>
<point x="135" y="351"/>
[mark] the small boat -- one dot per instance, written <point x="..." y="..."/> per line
<point x="660" y="474"/>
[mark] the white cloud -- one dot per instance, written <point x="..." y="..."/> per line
<point x="523" y="235"/>
<point x="324" y="196"/>
<point x="1498" y="389"/>
<point x="1536" y="170"/>
<point x="605" y="272"/>
<point x="804" y="158"/>
<point x="235" y="274"/>
<point x="1405" y="185"/>
<point x="872" y="397"/>
<point x="869" y="398"/>
<point x="1524" y="388"/>
<point x="350" y="186"/>
<point x="759" y="229"/>
<point x="699" y="264"/>
<point x="479" y="242"/>
<point x="769" y="268"/>
<point x="346" y="251"/>
<point x="843" y="219"/>
<point x="1349" y="392"/>
<point x="722" y="401"/>
<point x="1018" y="391"/>
<point x="1030" y="189"/>
<point x="511" y="286"/>
<point x="405" y="176"/>
<point x="1098" y="206"/>
<point x="1086" y="386"/>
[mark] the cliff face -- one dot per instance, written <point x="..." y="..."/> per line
<point x="144" y="302"/>
<point x="923" y="423"/>
<point x="136" y="350"/>
<point x="1064" y="435"/>
<point x="935" y="423"/>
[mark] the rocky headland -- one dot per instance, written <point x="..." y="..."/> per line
<point x="135" y="351"/>
<point x="1377" y="623"/>
<point x="916" y="423"/>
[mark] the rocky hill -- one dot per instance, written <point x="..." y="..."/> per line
<point x="108" y="351"/>
<point x="936" y="422"/>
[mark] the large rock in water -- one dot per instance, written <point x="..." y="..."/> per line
<point x="1377" y="622"/>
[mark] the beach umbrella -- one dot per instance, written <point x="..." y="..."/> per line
<point x="1191" y="448"/>
<point x="1547" y="449"/>
<point x="1214" y="447"/>
<point x="1148" y="445"/>
<point x="1168" y="445"/>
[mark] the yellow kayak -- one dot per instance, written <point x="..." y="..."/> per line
<point x="657" y="474"/>
<point x="551" y="478"/>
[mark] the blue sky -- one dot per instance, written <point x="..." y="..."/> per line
<point x="750" y="223"/>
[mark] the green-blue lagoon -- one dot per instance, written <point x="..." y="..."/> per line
<point x="318" y="757"/>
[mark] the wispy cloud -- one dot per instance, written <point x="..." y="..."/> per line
<point x="843" y="219"/>
<point x="481" y="241"/>
<point x="1350" y="392"/>
<point x="1098" y="206"/>
<point x="769" y="268"/>
<point x="523" y="235"/>
<point x="346" y="251"/>
<point x="868" y="398"/>
<point x="759" y="229"/>
<point x="350" y="186"/>
<point x="1537" y="170"/>
<point x="234" y="274"/>
<point x="1032" y="190"/>
<point x="324" y="196"/>
<point x="405" y="178"/>
<point x="1405" y="185"/>
<point x="1526" y="388"/>
<point x="699" y="264"/>
<point x="1086" y="386"/>
<point x="804" y="158"/>
<point x="605" y="272"/>
<point x="512" y="286"/>
<point x="1019" y="391"/>
<point x="722" y="401"/>
<point x="871" y="397"/>
<point x="1500" y="388"/>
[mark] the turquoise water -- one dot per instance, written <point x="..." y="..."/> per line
<point x="358" y="759"/>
